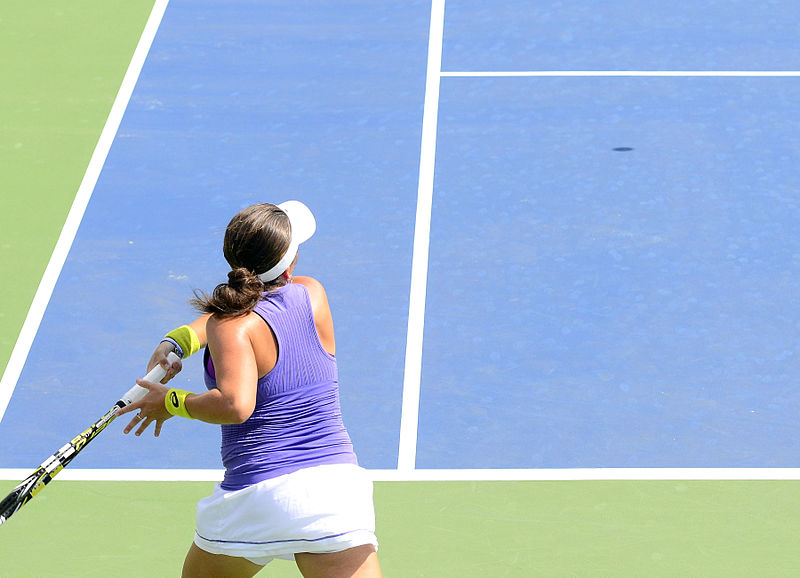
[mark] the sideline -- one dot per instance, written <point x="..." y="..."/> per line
<point x="44" y="292"/>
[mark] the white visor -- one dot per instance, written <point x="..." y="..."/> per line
<point x="303" y="226"/>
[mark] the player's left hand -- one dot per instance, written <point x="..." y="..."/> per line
<point x="151" y="409"/>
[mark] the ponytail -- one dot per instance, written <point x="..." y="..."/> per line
<point x="237" y="297"/>
<point x="255" y="240"/>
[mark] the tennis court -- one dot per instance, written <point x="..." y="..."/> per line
<point x="559" y="241"/>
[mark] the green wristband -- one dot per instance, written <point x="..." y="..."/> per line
<point x="186" y="339"/>
<point x="175" y="402"/>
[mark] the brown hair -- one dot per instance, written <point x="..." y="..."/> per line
<point x="255" y="240"/>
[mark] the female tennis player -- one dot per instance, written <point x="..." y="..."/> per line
<point x="292" y="487"/>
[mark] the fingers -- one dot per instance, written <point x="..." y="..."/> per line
<point x="159" y="357"/>
<point x="128" y="408"/>
<point x="143" y="423"/>
<point x="171" y="369"/>
<point x="152" y="403"/>
<point x="177" y="366"/>
<point x="137" y="404"/>
<point x="138" y="419"/>
<point x="165" y="365"/>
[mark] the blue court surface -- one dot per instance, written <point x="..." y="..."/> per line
<point x="614" y="260"/>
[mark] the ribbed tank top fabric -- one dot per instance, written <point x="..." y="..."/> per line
<point x="297" y="420"/>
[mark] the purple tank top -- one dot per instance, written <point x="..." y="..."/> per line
<point x="297" y="421"/>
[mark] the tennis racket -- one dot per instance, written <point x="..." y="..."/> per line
<point x="44" y="474"/>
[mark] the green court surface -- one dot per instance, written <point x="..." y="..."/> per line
<point x="442" y="529"/>
<point x="62" y="63"/>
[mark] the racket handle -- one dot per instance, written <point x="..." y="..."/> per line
<point x="156" y="374"/>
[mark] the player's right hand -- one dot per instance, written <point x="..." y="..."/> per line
<point x="159" y="357"/>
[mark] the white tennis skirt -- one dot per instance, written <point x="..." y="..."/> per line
<point x="320" y="509"/>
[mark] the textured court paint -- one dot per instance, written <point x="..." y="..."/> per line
<point x="62" y="64"/>
<point x="102" y="529"/>
<point x="442" y="529"/>
<point x="243" y="102"/>
<point x="642" y="311"/>
<point x="624" y="73"/>
<point x="419" y="265"/>
<point x="626" y="35"/>
<point x="722" y="529"/>
<point x="61" y="251"/>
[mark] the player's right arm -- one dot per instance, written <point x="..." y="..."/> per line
<point x="323" y="319"/>
<point x="199" y="326"/>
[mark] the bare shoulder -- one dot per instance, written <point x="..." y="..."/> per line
<point x="309" y="283"/>
<point x="232" y="328"/>
<point x="315" y="290"/>
<point x="321" y="310"/>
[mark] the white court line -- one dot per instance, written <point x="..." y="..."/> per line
<point x="409" y="419"/>
<point x="620" y="73"/>
<point x="586" y="474"/>
<point x="123" y="475"/>
<point x="478" y="475"/>
<point x="411" y="388"/>
<point x="48" y="282"/>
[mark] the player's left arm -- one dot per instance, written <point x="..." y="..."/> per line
<point x="236" y="369"/>
<point x="234" y="398"/>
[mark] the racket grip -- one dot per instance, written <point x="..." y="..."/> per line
<point x="156" y="374"/>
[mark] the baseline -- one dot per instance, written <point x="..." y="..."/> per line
<point x="619" y="73"/>
<point x="444" y="475"/>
